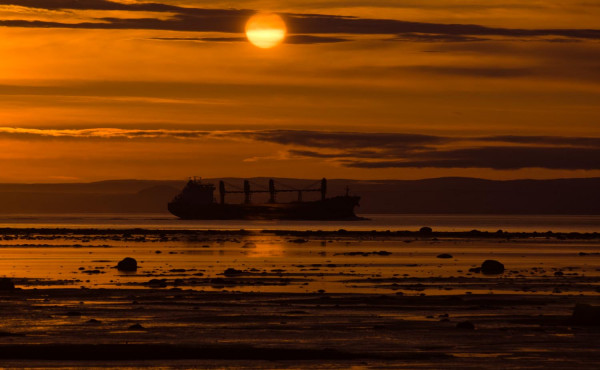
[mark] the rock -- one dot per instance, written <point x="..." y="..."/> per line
<point x="93" y="321"/>
<point x="6" y="284"/>
<point x="559" y="273"/>
<point x="444" y="255"/>
<point x="476" y="270"/>
<point x="136" y="327"/>
<point x="426" y="230"/>
<point x="127" y="264"/>
<point x="492" y="267"/>
<point x="232" y="272"/>
<point x="157" y="283"/>
<point x="586" y="314"/>
<point x="298" y="241"/>
<point x="467" y="325"/>
<point x="91" y="272"/>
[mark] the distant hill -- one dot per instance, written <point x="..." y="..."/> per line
<point x="440" y="195"/>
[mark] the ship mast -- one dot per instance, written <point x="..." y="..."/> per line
<point x="247" y="191"/>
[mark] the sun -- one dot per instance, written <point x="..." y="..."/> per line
<point x="266" y="30"/>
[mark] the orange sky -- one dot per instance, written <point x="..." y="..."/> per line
<point x="361" y="89"/>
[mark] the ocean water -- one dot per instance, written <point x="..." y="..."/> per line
<point x="380" y="222"/>
<point x="274" y="263"/>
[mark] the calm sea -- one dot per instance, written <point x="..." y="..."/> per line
<point x="513" y="223"/>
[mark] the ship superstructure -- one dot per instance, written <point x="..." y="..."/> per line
<point x="197" y="201"/>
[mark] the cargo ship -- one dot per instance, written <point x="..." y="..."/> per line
<point x="197" y="202"/>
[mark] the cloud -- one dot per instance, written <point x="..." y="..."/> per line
<point x="291" y="39"/>
<point x="332" y="139"/>
<point x="103" y="133"/>
<point x="370" y="150"/>
<point x="497" y="158"/>
<point x="233" y="20"/>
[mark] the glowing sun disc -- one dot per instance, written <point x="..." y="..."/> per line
<point x="266" y="30"/>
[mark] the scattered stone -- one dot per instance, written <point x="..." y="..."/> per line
<point x="476" y="270"/>
<point x="9" y="334"/>
<point x="6" y="284"/>
<point x="426" y="230"/>
<point x="364" y="254"/>
<point x="232" y="272"/>
<point x="444" y="255"/>
<point x="91" y="272"/>
<point x="157" y="283"/>
<point x="586" y="314"/>
<point x="467" y="325"/>
<point x="492" y="267"/>
<point x="298" y="241"/>
<point x="127" y="264"/>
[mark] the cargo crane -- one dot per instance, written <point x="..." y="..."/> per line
<point x="248" y="191"/>
<point x="197" y="202"/>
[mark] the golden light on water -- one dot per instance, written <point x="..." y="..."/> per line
<point x="266" y="30"/>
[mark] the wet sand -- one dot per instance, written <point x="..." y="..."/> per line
<point x="297" y="299"/>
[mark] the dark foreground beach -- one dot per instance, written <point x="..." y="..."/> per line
<point x="279" y="299"/>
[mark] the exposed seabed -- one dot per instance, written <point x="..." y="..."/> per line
<point x="288" y="299"/>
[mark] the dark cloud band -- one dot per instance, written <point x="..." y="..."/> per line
<point x="374" y="150"/>
<point x="233" y="20"/>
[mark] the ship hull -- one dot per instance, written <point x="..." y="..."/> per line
<point x="337" y="208"/>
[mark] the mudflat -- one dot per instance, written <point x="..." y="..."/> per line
<point x="298" y="300"/>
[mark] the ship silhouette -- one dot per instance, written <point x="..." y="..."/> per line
<point x="197" y="202"/>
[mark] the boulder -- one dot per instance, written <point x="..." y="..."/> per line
<point x="492" y="267"/>
<point x="467" y="325"/>
<point x="136" y="327"/>
<point x="6" y="284"/>
<point x="232" y="272"/>
<point x="127" y="264"/>
<point x="586" y="314"/>
<point x="157" y="283"/>
<point x="426" y="230"/>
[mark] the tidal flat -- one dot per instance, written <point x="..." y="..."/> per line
<point x="282" y="299"/>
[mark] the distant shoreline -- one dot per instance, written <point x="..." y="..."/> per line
<point x="128" y="232"/>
